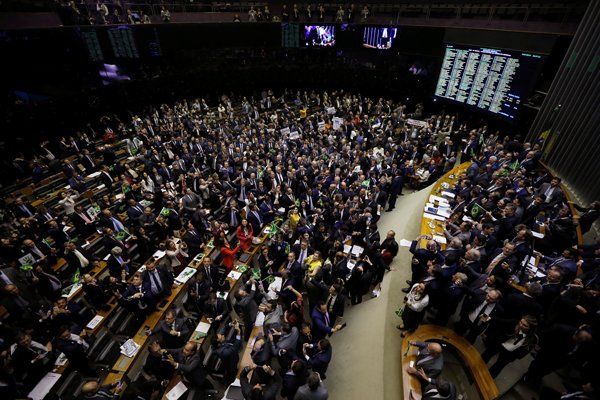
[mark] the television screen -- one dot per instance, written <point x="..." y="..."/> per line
<point x="319" y="35"/>
<point x="379" y="38"/>
<point x="491" y="80"/>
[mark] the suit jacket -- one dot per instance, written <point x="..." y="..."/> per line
<point x="178" y="325"/>
<point x="228" y="353"/>
<point x="432" y="366"/>
<point x="269" y="391"/>
<point x="290" y="383"/>
<point x="517" y="305"/>
<point x="319" y="362"/>
<point x="337" y="310"/>
<point x="220" y="308"/>
<point x="191" y="366"/>
<point x="305" y="393"/>
<point x="556" y="195"/>
<point x="114" y="267"/>
<point x="166" y="279"/>
<point x="248" y="308"/>
<point x="320" y="325"/>
<point x="146" y="302"/>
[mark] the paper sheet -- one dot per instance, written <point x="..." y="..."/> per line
<point x="405" y="243"/>
<point x="177" y="391"/>
<point x="440" y="239"/>
<point x="537" y="235"/>
<point x="357" y="250"/>
<point x="441" y="200"/>
<point x="234" y="275"/>
<point x="94" y="322"/>
<point x="448" y="194"/>
<point x="201" y="330"/>
<point x="347" y="249"/>
<point x="185" y="275"/>
<point x="44" y="386"/>
<point x="431" y="216"/>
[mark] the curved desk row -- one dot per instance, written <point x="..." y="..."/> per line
<point x="475" y="367"/>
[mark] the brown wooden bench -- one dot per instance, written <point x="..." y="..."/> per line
<point x="477" y="368"/>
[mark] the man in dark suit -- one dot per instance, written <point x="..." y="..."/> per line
<point x="552" y="191"/>
<point x="30" y="360"/>
<point x="216" y="310"/>
<point x="159" y="279"/>
<point x="193" y="239"/>
<point x="118" y="262"/>
<point x="503" y="262"/>
<point x="246" y="306"/>
<point x="84" y="225"/>
<point x="106" y="178"/>
<point x="188" y="362"/>
<point x="138" y="298"/>
<point x="477" y="313"/>
<point x="318" y="356"/>
<point x="429" y="358"/>
<point x="336" y="303"/>
<point x="134" y="212"/>
<point x="228" y="352"/>
<point x="174" y="330"/>
<point x="255" y="218"/>
<point x="519" y="304"/>
<point x="213" y="275"/>
<point x="302" y="251"/>
<point x="190" y="202"/>
<point x="22" y="208"/>
<point x="258" y="391"/>
<point x="77" y="259"/>
<point x="294" y="267"/>
<point x="293" y="379"/>
<point x="75" y="349"/>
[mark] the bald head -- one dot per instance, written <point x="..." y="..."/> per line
<point x="435" y="349"/>
<point x="90" y="387"/>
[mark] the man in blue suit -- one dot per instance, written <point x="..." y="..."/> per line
<point x="321" y="325"/>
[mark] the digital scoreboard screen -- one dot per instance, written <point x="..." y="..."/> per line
<point x="123" y="42"/>
<point x="490" y="80"/>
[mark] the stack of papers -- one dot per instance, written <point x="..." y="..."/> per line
<point x="129" y="348"/>
<point x="158" y="254"/>
<point x="405" y="243"/>
<point x="185" y="275"/>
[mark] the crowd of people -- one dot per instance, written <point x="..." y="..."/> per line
<point x="512" y="273"/>
<point x="318" y="169"/>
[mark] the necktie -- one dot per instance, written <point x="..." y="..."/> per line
<point x="329" y="303"/>
<point x="156" y="281"/>
<point x="233" y="219"/>
<point x="327" y="318"/>
<point x="302" y="256"/>
<point x="85" y="218"/>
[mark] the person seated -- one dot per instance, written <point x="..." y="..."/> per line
<point x="429" y="359"/>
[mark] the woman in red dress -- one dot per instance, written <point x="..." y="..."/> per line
<point x="245" y="234"/>
<point x="228" y="255"/>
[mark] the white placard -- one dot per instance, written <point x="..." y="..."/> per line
<point x="337" y="123"/>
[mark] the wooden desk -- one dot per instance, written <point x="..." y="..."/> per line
<point x="432" y="333"/>
<point x="437" y="227"/>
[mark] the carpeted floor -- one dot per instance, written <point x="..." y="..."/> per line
<point x="366" y="355"/>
